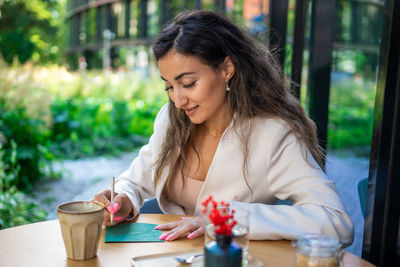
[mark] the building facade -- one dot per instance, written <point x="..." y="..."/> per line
<point x="122" y="29"/>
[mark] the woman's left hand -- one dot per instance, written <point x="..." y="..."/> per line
<point x="191" y="227"/>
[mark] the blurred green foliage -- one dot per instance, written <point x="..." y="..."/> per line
<point x="102" y="112"/>
<point x="357" y="32"/>
<point x="25" y="122"/>
<point x="49" y="113"/>
<point x="350" y="113"/>
<point x="29" y="135"/>
<point x="14" y="208"/>
<point x="94" y="126"/>
<point x="53" y="113"/>
<point x="32" y="30"/>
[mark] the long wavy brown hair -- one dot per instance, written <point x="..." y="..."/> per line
<point x="257" y="87"/>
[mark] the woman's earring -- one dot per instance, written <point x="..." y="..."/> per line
<point x="227" y="87"/>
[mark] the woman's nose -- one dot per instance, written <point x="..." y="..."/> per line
<point x="179" y="98"/>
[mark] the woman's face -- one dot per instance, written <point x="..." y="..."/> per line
<point x="195" y="87"/>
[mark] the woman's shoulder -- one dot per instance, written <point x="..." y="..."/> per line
<point x="269" y="124"/>
<point x="274" y="129"/>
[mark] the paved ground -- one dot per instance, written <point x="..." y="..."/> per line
<point x="83" y="178"/>
<point x="346" y="172"/>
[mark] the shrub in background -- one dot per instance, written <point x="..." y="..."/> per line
<point x="28" y="135"/>
<point x="24" y="121"/>
<point x="78" y="114"/>
<point x="93" y="108"/>
<point x="14" y="209"/>
<point x="350" y="114"/>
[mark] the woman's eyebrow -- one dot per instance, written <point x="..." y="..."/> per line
<point x="179" y="76"/>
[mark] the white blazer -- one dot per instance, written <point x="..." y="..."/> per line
<point x="276" y="170"/>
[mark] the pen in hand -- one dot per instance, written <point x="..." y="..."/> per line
<point x="112" y="198"/>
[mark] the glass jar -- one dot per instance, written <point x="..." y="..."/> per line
<point x="314" y="250"/>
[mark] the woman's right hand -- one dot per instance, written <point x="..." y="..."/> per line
<point x="121" y="206"/>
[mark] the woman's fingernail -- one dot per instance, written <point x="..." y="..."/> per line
<point x="162" y="236"/>
<point x="110" y="209"/>
<point x="190" y="236"/>
<point x="157" y="227"/>
<point x="116" y="207"/>
<point x="118" y="218"/>
<point x="169" y="237"/>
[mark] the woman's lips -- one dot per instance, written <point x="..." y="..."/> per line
<point x="190" y="111"/>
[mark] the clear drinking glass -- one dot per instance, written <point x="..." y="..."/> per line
<point x="240" y="231"/>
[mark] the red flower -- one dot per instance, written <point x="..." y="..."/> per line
<point x="219" y="216"/>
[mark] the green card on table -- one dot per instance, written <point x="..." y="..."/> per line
<point x="132" y="232"/>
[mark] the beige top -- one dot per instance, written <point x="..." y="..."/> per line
<point x="276" y="169"/>
<point x="186" y="194"/>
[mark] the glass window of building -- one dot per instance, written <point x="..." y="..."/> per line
<point x="355" y="53"/>
<point x="358" y="29"/>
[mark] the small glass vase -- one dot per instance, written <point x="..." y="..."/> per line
<point x="222" y="252"/>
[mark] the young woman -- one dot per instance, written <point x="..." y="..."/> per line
<point x="230" y="130"/>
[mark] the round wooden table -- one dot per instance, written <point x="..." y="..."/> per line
<point x="41" y="244"/>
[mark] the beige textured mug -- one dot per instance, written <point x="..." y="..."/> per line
<point x="81" y="224"/>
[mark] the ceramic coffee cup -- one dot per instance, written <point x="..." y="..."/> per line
<point x="81" y="224"/>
